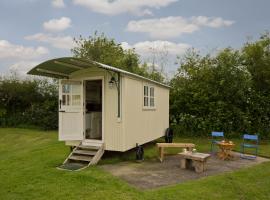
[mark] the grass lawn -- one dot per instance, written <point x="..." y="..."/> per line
<point x="28" y="160"/>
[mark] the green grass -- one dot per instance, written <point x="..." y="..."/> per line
<point x="28" y="160"/>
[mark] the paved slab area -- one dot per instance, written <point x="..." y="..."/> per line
<point x="153" y="174"/>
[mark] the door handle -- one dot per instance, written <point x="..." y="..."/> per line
<point x="60" y="102"/>
<point x="62" y="111"/>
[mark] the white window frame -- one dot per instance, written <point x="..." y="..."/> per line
<point x="148" y="106"/>
<point x="71" y="93"/>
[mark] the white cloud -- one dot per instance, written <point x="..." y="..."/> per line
<point x="13" y="51"/>
<point x="58" y="3"/>
<point x="170" y="27"/>
<point x="22" y="67"/>
<point x="56" y="25"/>
<point x="214" y="22"/>
<point x="60" y="42"/>
<point x="160" y="53"/>
<point x="147" y="48"/>
<point x="114" y="7"/>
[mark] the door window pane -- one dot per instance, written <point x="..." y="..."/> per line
<point x="76" y="89"/>
<point x="76" y="100"/>
<point x="68" y="100"/>
<point x="64" y="100"/>
<point x="66" y="88"/>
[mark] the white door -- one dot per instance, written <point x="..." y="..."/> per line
<point x="71" y="110"/>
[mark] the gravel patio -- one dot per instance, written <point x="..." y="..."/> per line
<point x="153" y="174"/>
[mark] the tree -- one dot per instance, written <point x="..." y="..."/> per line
<point x="105" y="50"/>
<point x="102" y="49"/>
<point x="209" y="93"/>
<point x="257" y="59"/>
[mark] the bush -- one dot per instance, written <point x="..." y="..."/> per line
<point x="28" y="103"/>
<point x="227" y="92"/>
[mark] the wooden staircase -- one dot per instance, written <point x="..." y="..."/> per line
<point x="88" y="155"/>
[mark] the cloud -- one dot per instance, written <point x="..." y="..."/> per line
<point x="60" y="42"/>
<point x="22" y="67"/>
<point x="160" y="53"/>
<point x="171" y="27"/>
<point x="214" y="22"/>
<point x="13" y="51"/>
<point x="115" y="7"/>
<point x="58" y="3"/>
<point x="56" y="25"/>
<point x="147" y="48"/>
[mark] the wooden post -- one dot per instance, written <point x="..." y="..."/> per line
<point x="199" y="166"/>
<point x="189" y="148"/>
<point x="189" y="164"/>
<point x="161" y="153"/>
<point x="183" y="163"/>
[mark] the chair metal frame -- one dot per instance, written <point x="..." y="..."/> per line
<point x="248" y="137"/>
<point x="216" y="134"/>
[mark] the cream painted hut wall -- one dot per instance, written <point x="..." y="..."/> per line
<point x="136" y="125"/>
<point x="113" y="134"/>
<point x="143" y="125"/>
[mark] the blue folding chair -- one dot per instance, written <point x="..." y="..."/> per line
<point x="250" y="142"/>
<point x="215" y="136"/>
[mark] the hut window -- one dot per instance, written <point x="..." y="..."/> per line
<point x="148" y="97"/>
<point x="71" y="95"/>
<point x="152" y="97"/>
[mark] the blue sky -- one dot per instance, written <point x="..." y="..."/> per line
<point x="33" y="31"/>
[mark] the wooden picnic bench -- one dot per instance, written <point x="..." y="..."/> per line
<point x="196" y="160"/>
<point x="162" y="146"/>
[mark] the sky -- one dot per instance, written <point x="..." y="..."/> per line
<point x="33" y="31"/>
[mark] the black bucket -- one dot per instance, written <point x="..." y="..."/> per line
<point x="139" y="153"/>
<point x="169" y="135"/>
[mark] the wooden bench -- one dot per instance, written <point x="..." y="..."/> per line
<point x="196" y="160"/>
<point x="162" y="146"/>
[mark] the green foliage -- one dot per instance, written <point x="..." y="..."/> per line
<point x="105" y="50"/>
<point x="227" y="92"/>
<point x="28" y="103"/>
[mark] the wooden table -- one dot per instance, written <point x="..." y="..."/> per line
<point x="162" y="146"/>
<point x="225" y="150"/>
<point x="196" y="160"/>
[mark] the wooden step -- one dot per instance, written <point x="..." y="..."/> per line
<point x="89" y="147"/>
<point x="84" y="152"/>
<point x="80" y="158"/>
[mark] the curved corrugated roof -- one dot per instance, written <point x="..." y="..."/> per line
<point x="64" y="67"/>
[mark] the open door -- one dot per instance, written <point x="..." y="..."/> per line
<point x="71" y="110"/>
<point x="93" y="110"/>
